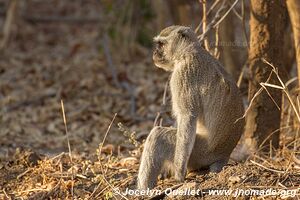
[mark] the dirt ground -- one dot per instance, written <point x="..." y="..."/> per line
<point x="49" y="61"/>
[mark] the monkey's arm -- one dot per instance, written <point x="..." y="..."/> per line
<point x="185" y="139"/>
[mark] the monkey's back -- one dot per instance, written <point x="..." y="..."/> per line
<point x="223" y="109"/>
<point x="218" y="106"/>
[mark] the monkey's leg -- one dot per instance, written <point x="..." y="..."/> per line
<point x="185" y="139"/>
<point x="158" y="150"/>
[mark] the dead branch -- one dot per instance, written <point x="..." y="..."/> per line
<point x="207" y="14"/>
<point x="10" y="18"/>
<point x="216" y="51"/>
<point x="111" y="66"/>
<point x="204" y="20"/>
<point x="124" y="84"/>
<point x="217" y="19"/>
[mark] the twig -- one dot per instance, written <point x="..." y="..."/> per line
<point x="69" y="146"/>
<point x="253" y="98"/>
<point x="156" y="119"/>
<point x="217" y="20"/>
<point x="228" y="11"/>
<point x="210" y="26"/>
<point x="24" y="173"/>
<point x="57" y="156"/>
<point x="274" y="86"/>
<point x="204" y="20"/>
<point x="239" y="82"/>
<point x="291" y="81"/>
<point x="272" y="170"/>
<point x="295" y="159"/>
<point x="100" y="151"/>
<point x="284" y="89"/>
<point x="250" y="104"/>
<point x="111" y="66"/>
<point x="296" y="142"/>
<point x="236" y="13"/>
<point x="66" y="128"/>
<point x="8" y="197"/>
<point x="102" y="190"/>
<point x="217" y="52"/>
<point x="114" y="189"/>
<point x="207" y="14"/>
<point x="267" y="138"/>
<point x="243" y="23"/>
<point x="247" y="42"/>
<point x="10" y="17"/>
<point x="106" y="133"/>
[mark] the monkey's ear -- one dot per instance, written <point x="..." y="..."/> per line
<point x="183" y="32"/>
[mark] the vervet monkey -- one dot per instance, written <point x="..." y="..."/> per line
<point x="206" y="104"/>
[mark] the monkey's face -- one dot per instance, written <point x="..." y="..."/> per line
<point x="161" y="58"/>
<point x="171" y="44"/>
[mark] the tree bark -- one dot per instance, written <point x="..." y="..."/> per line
<point x="294" y="13"/>
<point x="267" y="23"/>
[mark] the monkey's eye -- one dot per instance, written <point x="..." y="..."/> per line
<point x="160" y="44"/>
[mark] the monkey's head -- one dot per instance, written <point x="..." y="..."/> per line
<point x="171" y="45"/>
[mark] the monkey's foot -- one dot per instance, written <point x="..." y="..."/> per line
<point x="165" y="175"/>
<point x="217" y="166"/>
<point x="179" y="177"/>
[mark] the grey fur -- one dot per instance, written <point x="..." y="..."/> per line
<point x="206" y="104"/>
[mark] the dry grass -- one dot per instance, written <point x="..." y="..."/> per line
<point x="31" y="176"/>
<point x="32" y="118"/>
<point x="100" y="175"/>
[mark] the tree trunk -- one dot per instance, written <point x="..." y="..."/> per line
<point x="294" y="13"/>
<point x="267" y="23"/>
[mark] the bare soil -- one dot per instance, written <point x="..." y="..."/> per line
<point x="52" y="61"/>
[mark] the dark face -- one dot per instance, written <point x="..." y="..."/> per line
<point x="159" y="55"/>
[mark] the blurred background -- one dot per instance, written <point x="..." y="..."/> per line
<point x="96" y="57"/>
